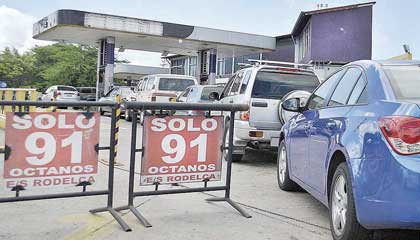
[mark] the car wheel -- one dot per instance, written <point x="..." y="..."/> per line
<point x="343" y="220"/>
<point x="127" y="115"/>
<point x="235" y="157"/>
<point x="283" y="178"/>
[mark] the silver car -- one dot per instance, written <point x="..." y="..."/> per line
<point x="61" y="93"/>
<point x="262" y="86"/>
<point x="124" y="91"/>
<point x="199" y="94"/>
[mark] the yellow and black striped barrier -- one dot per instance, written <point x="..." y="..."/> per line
<point x="117" y="124"/>
<point x="16" y="94"/>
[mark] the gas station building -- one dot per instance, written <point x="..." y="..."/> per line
<point x="327" y="38"/>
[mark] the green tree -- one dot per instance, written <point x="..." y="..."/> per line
<point x="12" y="67"/>
<point x="65" y="64"/>
<point x="43" y="66"/>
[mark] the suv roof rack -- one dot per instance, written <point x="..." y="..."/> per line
<point x="308" y="68"/>
<point x="244" y="65"/>
<point x="268" y="62"/>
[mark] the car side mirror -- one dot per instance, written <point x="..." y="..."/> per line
<point x="214" y="96"/>
<point x="292" y="105"/>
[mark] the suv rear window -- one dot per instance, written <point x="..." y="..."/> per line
<point x="207" y="90"/>
<point x="87" y="90"/>
<point x="66" y="88"/>
<point x="174" y="84"/>
<point x="275" y="85"/>
<point x="126" y="91"/>
<point x="405" y="81"/>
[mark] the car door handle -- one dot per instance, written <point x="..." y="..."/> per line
<point x="231" y="101"/>
<point x="259" y="104"/>
<point x="331" y="125"/>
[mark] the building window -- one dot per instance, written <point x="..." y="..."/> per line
<point x="228" y="62"/>
<point x="220" y="66"/>
<point x="192" y="66"/>
<point x="178" y="66"/>
<point x="305" y="41"/>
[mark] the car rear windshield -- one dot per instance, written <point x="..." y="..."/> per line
<point x="207" y="90"/>
<point x="275" y="85"/>
<point x="126" y="91"/>
<point x="66" y="88"/>
<point x="87" y="90"/>
<point x="405" y="81"/>
<point x="174" y="84"/>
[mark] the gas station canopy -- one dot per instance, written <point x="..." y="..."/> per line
<point x="135" y="72"/>
<point x="86" y="28"/>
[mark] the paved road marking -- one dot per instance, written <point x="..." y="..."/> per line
<point x="93" y="226"/>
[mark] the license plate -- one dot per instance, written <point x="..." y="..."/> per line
<point x="274" y="142"/>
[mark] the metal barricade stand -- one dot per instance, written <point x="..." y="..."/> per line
<point x="159" y="107"/>
<point x="111" y="148"/>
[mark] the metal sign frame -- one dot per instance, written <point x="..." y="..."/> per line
<point x="109" y="192"/>
<point x="160" y="107"/>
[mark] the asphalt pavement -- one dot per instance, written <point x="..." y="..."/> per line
<point x="275" y="214"/>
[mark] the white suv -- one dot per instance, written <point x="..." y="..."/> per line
<point x="262" y="86"/>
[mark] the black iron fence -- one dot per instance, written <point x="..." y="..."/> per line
<point x="89" y="107"/>
<point x="135" y="108"/>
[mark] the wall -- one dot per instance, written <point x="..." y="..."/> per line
<point x="285" y="51"/>
<point x="342" y="36"/>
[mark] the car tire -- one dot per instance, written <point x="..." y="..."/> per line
<point x="235" y="157"/>
<point x="342" y="208"/>
<point x="127" y="115"/>
<point x="283" y="178"/>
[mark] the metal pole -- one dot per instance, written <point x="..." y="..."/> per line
<point x="230" y="153"/>
<point x="212" y="66"/>
<point x="132" y="158"/>
<point x="111" y="158"/>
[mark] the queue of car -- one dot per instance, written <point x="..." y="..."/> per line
<point x="352" y="141"/>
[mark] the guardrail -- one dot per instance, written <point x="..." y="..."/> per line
<point x="16" y="94"/>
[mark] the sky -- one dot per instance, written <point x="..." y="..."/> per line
<point x="394" y="22"/>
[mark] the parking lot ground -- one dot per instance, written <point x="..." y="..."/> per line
<point x="275" y="214"/>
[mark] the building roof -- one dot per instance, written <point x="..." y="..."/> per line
<point x="282" y="37"/>
<point x="305" y="16"/>
<point x="72" y="26"/>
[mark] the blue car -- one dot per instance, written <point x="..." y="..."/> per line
<point x="355" y="146"/>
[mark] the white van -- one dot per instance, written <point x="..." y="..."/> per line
<point x="161" y="88"/>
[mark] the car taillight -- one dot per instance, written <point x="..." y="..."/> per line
<point x="244" y="116"/>
<point x="402" y="133"/>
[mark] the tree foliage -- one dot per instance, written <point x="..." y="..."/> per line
<point x="41" y="67"/>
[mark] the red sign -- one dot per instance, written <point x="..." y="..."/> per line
<point x="181" y="149"/>
<point x="50" y="149"/>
